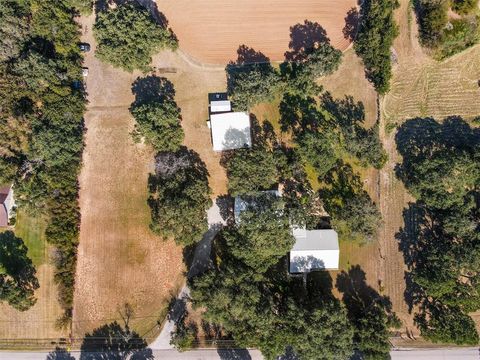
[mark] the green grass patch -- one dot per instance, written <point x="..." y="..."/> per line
<point x="31" y="228"/>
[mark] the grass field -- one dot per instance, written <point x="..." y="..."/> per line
<point x="32" y="230"/>
<point x="39" y="321"/>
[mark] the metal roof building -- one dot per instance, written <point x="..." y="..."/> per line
<point x="230" y="130"/>
<point x="6" y="204"/>
<point x="220" y="106"/>
<point x="314" y="250"/>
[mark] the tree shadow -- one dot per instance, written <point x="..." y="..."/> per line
<point x="357" y="294"/>
<point x="234" y="354"/>
<point x="304" y="38"/>
<point x="152" y="88"/>
<point x="299" y="114"/>
<point x="113" y="341"/>
<point x="168" y="163"/>
<point x="351" y="24"/>
<point x="346" y="111"/>
<point x="247" y="55"/>
<point x="225" y="205"/>
<point x="18" y="279"/>
<point x="60" y="354"/>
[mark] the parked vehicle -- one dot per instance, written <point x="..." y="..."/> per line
<point x="84" y="47"/>
<point x="85" y="72"/>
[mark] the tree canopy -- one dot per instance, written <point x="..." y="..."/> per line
<point x="156" y="114"/>
<point x="263" y="234"/>
<point x="128" y="36"/>
<point x="252" y="170"/>
<point x="17" y="273"/>
<point x="441" y="238"/>
<point x="376" y="32"/>
<point x="42" y="123"/>
<point x="179" y="196"/>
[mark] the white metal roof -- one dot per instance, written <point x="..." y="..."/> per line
<point x="314" y="249"/>
<point x="220" y="106"/>
<point x="230" y="131"/>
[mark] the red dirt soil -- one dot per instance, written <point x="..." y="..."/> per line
<point x="212" y="30"/>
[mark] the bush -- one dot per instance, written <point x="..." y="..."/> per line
<point x="159" y="124"/>
<point x="128" y="36"/>
<point x="464" y="7"/>
<point x="462" y="34"/>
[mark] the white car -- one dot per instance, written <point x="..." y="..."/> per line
<point x="85" y="72"/>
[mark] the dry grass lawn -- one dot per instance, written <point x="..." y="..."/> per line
<point x="120" y="260"/>
<point x="211" y="30"/>
<point x="39" y="321"/>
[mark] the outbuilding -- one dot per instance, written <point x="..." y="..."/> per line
<point x="6" y="205"/>
<point x="230" y="130"/>
<point x="314" y="250"/>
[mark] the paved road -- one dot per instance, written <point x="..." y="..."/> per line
<point x="437" y="354"/>
<point x="428" y="354"/>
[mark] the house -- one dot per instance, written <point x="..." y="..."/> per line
<point x="6" y="205"/>
<point x="314" y="250"/>
<point x="230" y="130"/>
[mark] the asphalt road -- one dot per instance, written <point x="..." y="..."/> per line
<point x="427" y="354"/>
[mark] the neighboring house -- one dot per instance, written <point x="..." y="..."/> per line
<point x="6" y="205"/>
<point x="230" y="130"/>
<point x="313" y="249"/>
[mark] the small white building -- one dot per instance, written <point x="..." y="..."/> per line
<point x="219" y="106"/>
<point x="314" y="250"/>
<point x="7" y="203"/>
<point x="230" y="130"/>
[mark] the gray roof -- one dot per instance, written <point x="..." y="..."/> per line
<point x="316" y="240"/>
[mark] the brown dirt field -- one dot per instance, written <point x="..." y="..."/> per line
<point x="212" y="30"/>
<point x="120" y="260"/>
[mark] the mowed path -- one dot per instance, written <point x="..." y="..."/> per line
<point x="211" y="30"/>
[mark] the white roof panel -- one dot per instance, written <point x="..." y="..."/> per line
<point x="230" y="131"/>
<point x="220" y="106"/>
<point x="314" y="249"/>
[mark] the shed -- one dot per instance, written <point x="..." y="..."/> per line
<point x="230" y="130"/>
<point x="6" y="204"/>
<point x="314" y="250"/>
<point x="220" y="106"/>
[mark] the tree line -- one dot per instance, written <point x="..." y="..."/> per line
<point x="441" y="237"/>
<point x="42" y="110"/>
